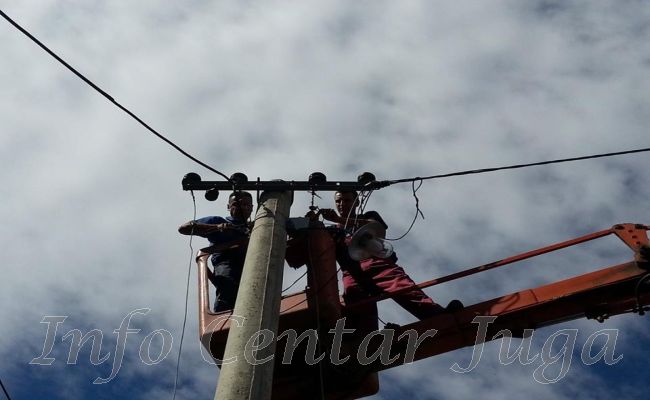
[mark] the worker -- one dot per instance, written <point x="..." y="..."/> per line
<point x="374" y="276"/>
<point x="229" y="239"/>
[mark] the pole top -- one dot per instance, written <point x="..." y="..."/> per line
<point x="317" y="182"/>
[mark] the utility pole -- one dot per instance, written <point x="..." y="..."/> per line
<point x="258" y="301"/>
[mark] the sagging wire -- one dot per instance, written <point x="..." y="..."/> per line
<point x="418" y="212"/>
<point x="187" y="294"/>
<point x="334" y="276"/>
<point x="294" y="282"/>
<point x="4" y="389"/>
<point x="110" y="98"/>
<point x="387" y="183"/>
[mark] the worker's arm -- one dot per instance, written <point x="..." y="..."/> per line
<point x="333" y="216"/>
<point x="198" y="228"/>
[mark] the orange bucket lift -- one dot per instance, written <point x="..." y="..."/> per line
<point x="597" y="295"/>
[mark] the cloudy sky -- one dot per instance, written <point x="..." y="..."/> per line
<point x="277" y="89"/>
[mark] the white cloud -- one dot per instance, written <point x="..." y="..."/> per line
<point x="91" y="201"/>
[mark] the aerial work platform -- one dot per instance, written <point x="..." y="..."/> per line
<point x="314" y="312"/>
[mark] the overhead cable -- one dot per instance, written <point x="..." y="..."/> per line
<point x="187" y="296"/>
<point x="109" y="97"/>
<point x="483" y="170"/>
<point x="4" y="390"/>
<point x="418" y="212"/>
<point x="294" y="282"/>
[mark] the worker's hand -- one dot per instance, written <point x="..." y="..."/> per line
<point x="241" y="228"/>
<point x="220" y="227"/>
<point x="644" y="251"/>
<point x="329" y="214"/>
<point x="312" y="215"/>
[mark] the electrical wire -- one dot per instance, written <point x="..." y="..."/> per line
<point x="360" y="198"/>
<point x="417" y="210"/>
<point x="389" y="182"/>
<point x="331" y="278"/>
<point x="484" y="170"/>
<point x="294" y="282"/>
<point x="187" y="295"/>
<point x="364" y="202"/>
<point x="110" y="98"/>
<point x="4" y="389"/>
<point x="335" y="275"/>
<point x="347" y="217"/>
<point x="517" y="166"/>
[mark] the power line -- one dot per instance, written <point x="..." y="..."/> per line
<point x="187" y="294"/>
<point x="294" y="282"/>
<point x="109" y="97"/>
<point x="390" y="182"/>
<point x="194" y="182"/>
<point x="418" y="212"/>
<point x="483" y="170"/>
<point x="5" y="390"/>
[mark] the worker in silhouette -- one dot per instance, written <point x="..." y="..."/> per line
<point x="228" y="238"/>
<point x="374" y="276"/>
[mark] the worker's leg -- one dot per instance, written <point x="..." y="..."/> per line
<point x="226" y="293"/>
<point x="362" y="318"/>
<point x="391" y="277"/>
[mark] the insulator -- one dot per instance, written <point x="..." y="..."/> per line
<point x="366" y="177"/>
<point x="239" y="177"/>
<point x="317" y="177"/>
<point x="191" y="177"/>
<point x="211" y="194"/>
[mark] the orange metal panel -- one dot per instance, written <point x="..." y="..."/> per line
<point x="602" y="293"/>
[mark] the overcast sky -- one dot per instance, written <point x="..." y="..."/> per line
<point x="278" y="89"/>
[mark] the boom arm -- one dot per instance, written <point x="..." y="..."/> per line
<point x="596" y="295"/>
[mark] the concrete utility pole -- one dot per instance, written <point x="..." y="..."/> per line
<point x="258" y="302"/>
